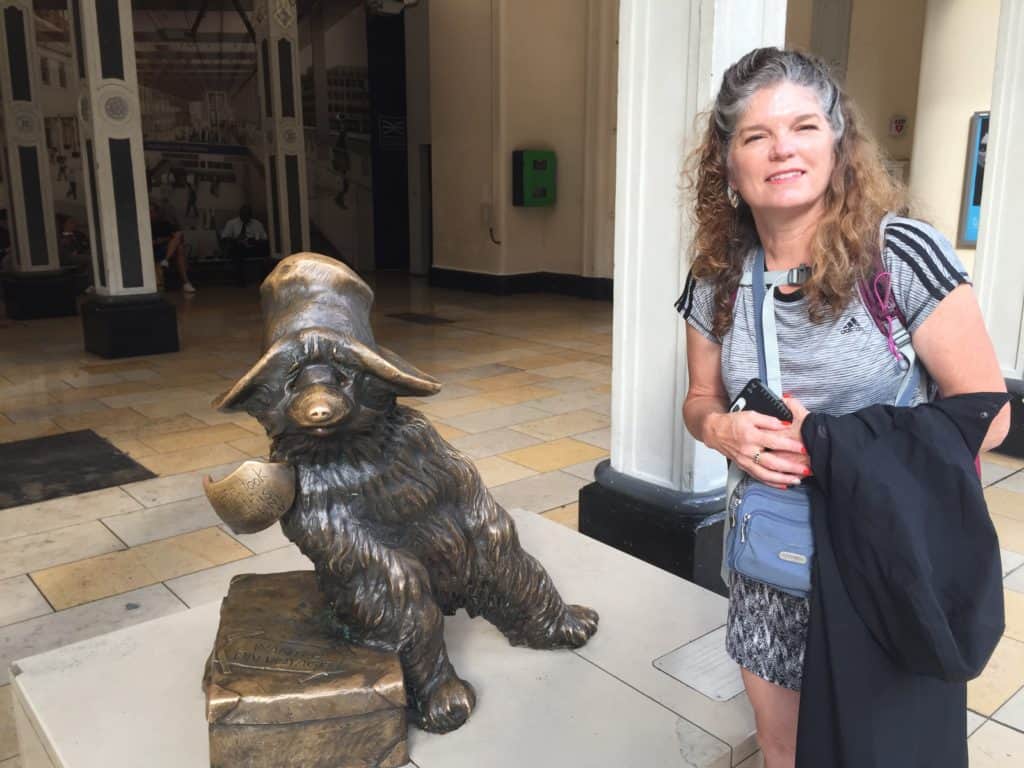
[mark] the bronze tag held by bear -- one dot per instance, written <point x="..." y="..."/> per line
<point x="399" y="525"/>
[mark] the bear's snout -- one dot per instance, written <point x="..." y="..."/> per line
<point x="318" y="407"/>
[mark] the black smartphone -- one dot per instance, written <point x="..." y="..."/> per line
<point x="757" y="397"/>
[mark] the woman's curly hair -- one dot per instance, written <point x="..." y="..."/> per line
<point x="858" y="195"/>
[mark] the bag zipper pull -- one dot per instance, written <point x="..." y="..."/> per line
<point x="743" y="528"/>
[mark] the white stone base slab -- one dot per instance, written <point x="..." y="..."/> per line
<point x="133" y="697"/>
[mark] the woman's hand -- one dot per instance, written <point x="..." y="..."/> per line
<point x="781" y="458"/>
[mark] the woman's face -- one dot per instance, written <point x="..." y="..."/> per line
<point x="781" y="156"/>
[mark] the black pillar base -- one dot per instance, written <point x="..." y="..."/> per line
<point x="129" y="326"/>
<point x="679" y="532"/>
<point x="34" y="295"/>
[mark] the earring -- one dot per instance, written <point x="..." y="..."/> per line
<point x="734" y="198"/>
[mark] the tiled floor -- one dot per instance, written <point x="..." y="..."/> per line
<point x="527" y="382"/>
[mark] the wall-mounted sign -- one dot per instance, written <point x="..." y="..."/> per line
<point x="897" y="125"/>
<point x="974" y="175"/>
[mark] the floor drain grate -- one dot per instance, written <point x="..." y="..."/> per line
<point x="421" y="319"/>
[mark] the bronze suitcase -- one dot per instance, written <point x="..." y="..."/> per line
<point x="281" y="692"/>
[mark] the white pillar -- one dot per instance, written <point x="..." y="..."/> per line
<point x="277" y="46"/>
<point x="25" y="162"/>
<point x="672" y="54"/>
<point x="999" y="268"/>
<point x="110" y="125"/>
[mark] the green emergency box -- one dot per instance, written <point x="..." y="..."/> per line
<point x="533" y="177"/>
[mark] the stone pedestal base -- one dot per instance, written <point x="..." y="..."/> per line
<point x="282" y="692"/>
<point x="34" y="295"/>
<point x="681" y="533"/>
<point x="126" y="327"/>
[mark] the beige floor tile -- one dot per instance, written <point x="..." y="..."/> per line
<point x="54" y="411"/>
<point x="495" y="418"/>
<point x="175" y="406"/>
<point x="165" y="490"/>
<point x="266" y="540"/>
<point x="4" y="421"/>
<point x="574" y="401"/>
<point x="569" y="515"/>
<point x="54" y="630"/>
<point x="556" y="454"/>
<point x="540" y="493"/>
<point x="212" y="584"/>
<point x="111" y="419"/>
<point x="69" y="585"/>
<point x="43" y="550"/>
<point x="115" y="367"/>
<point x="461" y="406"/>
<point x="1005" y="502"/>
<point x="195" y="438"/>
<point x="504" y="381"/>
<point x="20" y="600"/>
<point x="152" y="394"/>
<point x="8" y="735"/>
<point x="447" y="431"/>
<point x="564" y="425"/>
<point x="159" y="426"/>
<point x="497" y="441"/>
<point x="98" y="393"/>
<point x="28" y="430"/>
<point x="1007" y="461"/>
<point x="134" y="448"/>
<point x="153" y="523"/>
<point x="1002" y="678"/>
<point x="495" y="471"/>
<point x="521" y="394"/>
<point x="67" y="510"/>
<point x="546" y="361"/>
<point x="996" y="746"/>
<point x="190" y="459"/>
<point x="83" y="380"/>
<point x="581" y="369"/>
<point x="1011" y="532"/>
<point x="1014" y="606"/>
<point x="256" y="446"/>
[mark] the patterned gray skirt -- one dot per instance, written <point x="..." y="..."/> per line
<point x="766" y="631"/>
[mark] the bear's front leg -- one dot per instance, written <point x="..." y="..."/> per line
<point x="391" y="605"/>
<point x="519" y="597"/>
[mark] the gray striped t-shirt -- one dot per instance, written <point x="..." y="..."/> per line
<point x="842" y="364"/>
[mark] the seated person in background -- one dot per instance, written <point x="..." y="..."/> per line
<point x="243" y="238"/>
<point x="169" y="245"/>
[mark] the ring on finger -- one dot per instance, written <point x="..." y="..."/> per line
<point x="757" y="456"/>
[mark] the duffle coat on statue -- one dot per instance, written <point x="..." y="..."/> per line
<point x="907" y="601"/>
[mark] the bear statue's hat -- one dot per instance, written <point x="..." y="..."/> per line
<point x="309" y="295"/>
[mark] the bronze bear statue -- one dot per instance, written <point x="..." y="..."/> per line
<point x="398" y="524"/>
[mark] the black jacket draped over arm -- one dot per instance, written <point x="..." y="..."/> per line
<point x="907" y="601"/>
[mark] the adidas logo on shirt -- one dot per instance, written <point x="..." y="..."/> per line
<point x="851" y="326"/>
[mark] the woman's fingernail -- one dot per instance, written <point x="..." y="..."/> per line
<point x="787" y="423"/>
<point x="803" y="450"/>
<point x="807" y="471"/>
<point x="787" y="394"/>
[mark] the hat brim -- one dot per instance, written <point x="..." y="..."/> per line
<point x="400" y="375"/>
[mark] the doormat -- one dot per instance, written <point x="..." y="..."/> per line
<point x="62" y="465"/>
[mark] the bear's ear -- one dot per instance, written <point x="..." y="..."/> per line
<point x="259" y="390"/>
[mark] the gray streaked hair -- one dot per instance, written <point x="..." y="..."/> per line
<point x="764" y="67"/>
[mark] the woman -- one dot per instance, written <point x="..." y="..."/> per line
<point x="785" y="166"/>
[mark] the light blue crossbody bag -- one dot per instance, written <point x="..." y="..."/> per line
<point x="769" y="536"/>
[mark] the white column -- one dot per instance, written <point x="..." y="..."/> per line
<point x="599" y="138"/>
<point x="277" y="48"/>
<point x="672" y="54"/>
<point x="999" y="268"/>
<point x="110" y="124"/>
<point x="25" y="162"/>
